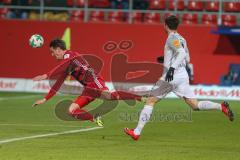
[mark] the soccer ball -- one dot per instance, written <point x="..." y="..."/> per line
<point x="36" y="41"/>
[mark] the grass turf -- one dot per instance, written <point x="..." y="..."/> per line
<point x="198" y="135"/>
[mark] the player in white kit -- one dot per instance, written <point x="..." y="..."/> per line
<point x="176" y="56"/>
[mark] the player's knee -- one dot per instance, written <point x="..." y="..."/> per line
<point x="72" y="108"/>
<point x="151" y="101"/>
<point x="193" y="103"/>
<point x="194" y="106"/>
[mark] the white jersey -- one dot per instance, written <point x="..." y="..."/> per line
<point x="176" y="53"/>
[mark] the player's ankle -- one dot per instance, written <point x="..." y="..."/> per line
<point x="137" y="131"/>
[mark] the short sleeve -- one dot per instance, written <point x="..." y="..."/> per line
<point x="174" y="43"/>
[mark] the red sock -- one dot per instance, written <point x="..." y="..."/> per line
<point x="81" y="114"/>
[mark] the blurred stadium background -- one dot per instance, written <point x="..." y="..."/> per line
<point x="99" y="27"/>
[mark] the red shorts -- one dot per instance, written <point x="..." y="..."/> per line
<point x="92" y="91"/>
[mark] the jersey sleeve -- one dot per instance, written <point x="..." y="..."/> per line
<point x="175" y="44"/>
<point x="56" y="86"/>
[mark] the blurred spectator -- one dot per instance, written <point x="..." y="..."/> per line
<point x="51" y="16"/>
<point x="99" y="3"/>
<point x="233" y="76"/>
<point x="119" y="4"/>
<point x="140" y="4"/>
<point x="34" y="2"/>
<point x="55" y="3"/>
<point x="16" y="13"/>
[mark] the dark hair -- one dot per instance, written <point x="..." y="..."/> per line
<point x="172" y="22"/>
<point x="58" y="43"/>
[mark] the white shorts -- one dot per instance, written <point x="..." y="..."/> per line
<point x="180" y="86"/>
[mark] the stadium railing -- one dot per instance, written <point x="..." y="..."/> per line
<point x="209" y="12"/>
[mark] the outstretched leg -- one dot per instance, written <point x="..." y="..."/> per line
<point x="119" y="95"/>
<point x="143" y="118"/>
<point x="76" y="110"/>
<point x="208" y="105"/>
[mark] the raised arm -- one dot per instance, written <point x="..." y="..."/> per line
<point x="52" y="91"/>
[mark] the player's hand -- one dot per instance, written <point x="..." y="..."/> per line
<point x="160" y="59"/>
<point x="40" y="77"/>
<point x="169" y="75"/>
<point x="41" y="101"/>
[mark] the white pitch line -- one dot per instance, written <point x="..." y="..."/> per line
<point x="48" y="135"/>
<point x="37" y="125"/>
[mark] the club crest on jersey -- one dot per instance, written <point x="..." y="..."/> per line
<point x="176" y="43"/>
<point x="66" y="56"/>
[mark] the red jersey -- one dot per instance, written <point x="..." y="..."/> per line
<point x="75" y="65"/>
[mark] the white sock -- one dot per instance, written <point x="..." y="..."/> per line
<point x="143" y="118"/>
<point x="208" y="105"/>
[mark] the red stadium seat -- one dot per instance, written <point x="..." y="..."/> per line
<point x="2" y="16"/>
<point x="212" y="6"/>
<point x="7" y="1"/>
<point x="180" y="5"/>
<point x="79" y="3"/>
<point x="97" y="16"/>
<point x="3" y="10"/>
<point x="152" y="18"/>
<point x="70" y="3"/>
<point x="190" y="18"/>
<point x="79" y="19"/>
<point x="231" y="6"/>
<point x="137" y="17"/>
<point x="195" y="5"/>
<point x="99" y="3"/>
<point x="157" y="4"/>
<point x="229" y="20"/>
<point x="116" y="17"/>
<point x="209" y="19"/>
<point x="91" y="3"/>
<point x="3" y="13"/>
<point x="77" y="15"/>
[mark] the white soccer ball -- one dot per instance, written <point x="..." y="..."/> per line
<point x="36" y="41"/>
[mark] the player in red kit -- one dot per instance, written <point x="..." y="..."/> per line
<point x="73" y="64"/>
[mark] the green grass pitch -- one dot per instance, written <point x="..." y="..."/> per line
<point x="201" y="135"/>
